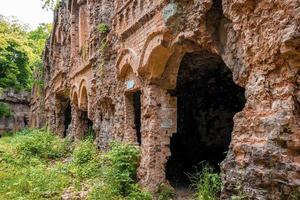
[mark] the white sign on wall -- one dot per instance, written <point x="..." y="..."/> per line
<point x="130" y="84"/>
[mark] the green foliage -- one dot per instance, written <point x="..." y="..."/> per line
<point x="86" y="162"/>
<point x="165" y="192"/>
<point x="5" y="110"/>
<point x="26" y="172"/>
<point x="103" y="28"/>
<point x="34" y="164"/>
<point x="118" y="175"/>
<point x="122" y="165"/>
<point x="41" y="144"/>
<point x="207" y="184"/>
<point x="20" y="53"/>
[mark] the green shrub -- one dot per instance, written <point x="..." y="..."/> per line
<point x="41" y="144"/>
<point x="121" y="165"/>
<point x="34" y="164"/>
<point x="104" y="191"/>
<point x="165" y="192"/>
<point x="207" y="184"/>
<point x="86" y="162"/>
<point x="136" y="193"/>
<point x="103" y="28"/>
<point x="5" y="110"/>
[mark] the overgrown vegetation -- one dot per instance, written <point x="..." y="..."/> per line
<point x="5" y="110"/>
<point x="34" y="164"/>
<point x="103" y="28"/>
<point x="207" y="184"/>
<point x="20" y="53"/>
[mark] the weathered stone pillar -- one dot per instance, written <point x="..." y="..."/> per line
<point x="159" y="121"/>
<point x="79" y="127"/>
<point x="263" y="160"/>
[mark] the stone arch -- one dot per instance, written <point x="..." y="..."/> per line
<point x="83" y="95"/>
<point x="168" y="78"/>
<point x="155" y="55"/>
<point x="207" y="100"/>
<point x="74" y="95"/>
<point x="75" y="98"/>
<point x="127" y="59"/>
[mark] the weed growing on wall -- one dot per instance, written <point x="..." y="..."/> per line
<point x="103" y="28"/>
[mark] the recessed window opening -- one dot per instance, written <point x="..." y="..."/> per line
<point x="133" y="114"/>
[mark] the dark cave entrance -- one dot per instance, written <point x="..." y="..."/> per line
<point x="67" y="117"/>
<point x="87" y="125"/>
<point x="207" y="100"/>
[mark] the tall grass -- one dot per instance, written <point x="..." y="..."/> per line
<point x="207" y="184"/>
<point x="35" y="164"/>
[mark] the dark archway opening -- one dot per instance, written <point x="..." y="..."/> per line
<point x="133" y="116"/>
<point x="137" y="115"/>
<point x="207" y="100"/>
<point x="25" y="119"/>
<point x="87" y="125"/>
<point x="67" y="117"/>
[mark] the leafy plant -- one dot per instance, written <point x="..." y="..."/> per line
<point x="20" y="53"/>
<point x="103" y="28"/>
<point x="86" y="162"/>
<point x="35" y="164"/>
<point x="165" y="192"/>
<point x="207" y="184"/>
<point x="5" y="110"/>
<point x="121" y="165"/>
<point x="41" y="144"/>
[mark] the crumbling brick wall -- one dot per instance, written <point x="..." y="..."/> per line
<point x="18" y="103"/>
<point x="95" y="72"/>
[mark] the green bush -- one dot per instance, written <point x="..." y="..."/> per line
<point x="207" y="184"/>
<point x="165" y="192"/>
<point x="5" y="110"/>
<point x="86" y="161"/>
<point x="35" y="164"/>
<point x="121" y="165"/>
<point x="104" y="191"/>
<point x="41" y="144"/>
<point x="103" y="28"/>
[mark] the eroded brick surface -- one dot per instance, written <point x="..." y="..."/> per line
<point x="98" y="73"/>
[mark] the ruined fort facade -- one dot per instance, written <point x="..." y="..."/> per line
<point x="18" y="105"/>
<point x="187" y="81"/>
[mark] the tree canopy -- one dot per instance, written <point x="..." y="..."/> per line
<point x="20" y="52"/>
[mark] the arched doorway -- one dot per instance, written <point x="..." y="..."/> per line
<point x="63" y="114"/>
<point x="85" y="126"/>
<point x="207" y="100"/>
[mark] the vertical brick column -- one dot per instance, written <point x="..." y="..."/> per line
<point x="158" y="125"/>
